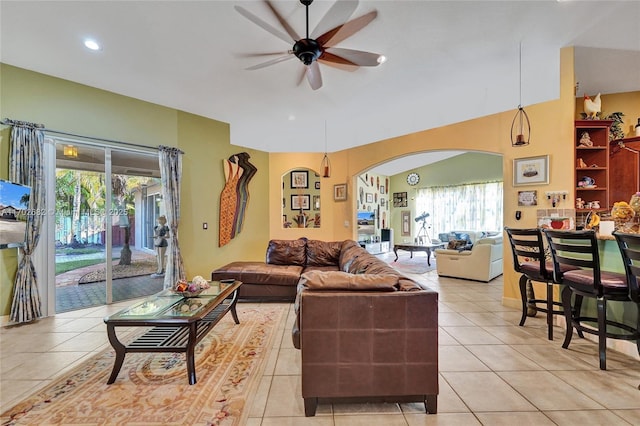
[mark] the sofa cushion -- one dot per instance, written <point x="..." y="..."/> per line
<point x="323" y="253"/>
<point x="338" y="280"/>
<point x="259" y="273"/>
<point x="287" y="252"/>
<point x="349" y="251"/>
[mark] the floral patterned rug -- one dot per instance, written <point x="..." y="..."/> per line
<point x="153" y="389"/>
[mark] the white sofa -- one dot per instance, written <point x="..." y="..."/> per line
<point x="482" y="263"/>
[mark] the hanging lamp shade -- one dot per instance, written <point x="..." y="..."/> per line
<point x="520" y="128"/>
<point x="325" y="166"/>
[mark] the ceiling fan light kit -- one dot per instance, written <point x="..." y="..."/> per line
<point x="313" y="49"/>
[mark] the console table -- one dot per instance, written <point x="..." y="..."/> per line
<point x="178" y="323"/>
<point x="417" y="247"/>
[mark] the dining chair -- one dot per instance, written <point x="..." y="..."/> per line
<point x="629" y="245"/>
<point x="579" y="249"/>
<point x="530" y="260"/>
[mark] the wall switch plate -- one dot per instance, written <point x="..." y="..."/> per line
<point x="205" y="225"/>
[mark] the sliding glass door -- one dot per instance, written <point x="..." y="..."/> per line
<point x="103" y="224"/>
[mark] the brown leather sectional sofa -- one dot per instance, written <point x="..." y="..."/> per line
<point x="366" y="332"/>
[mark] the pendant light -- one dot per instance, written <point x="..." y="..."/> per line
<point x="520" y="126"/>
<point x="325" y="166"/>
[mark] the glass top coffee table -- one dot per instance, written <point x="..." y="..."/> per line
<point x="178" y="323"/>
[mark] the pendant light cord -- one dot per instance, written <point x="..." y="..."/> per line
<point x="520" y="73"/>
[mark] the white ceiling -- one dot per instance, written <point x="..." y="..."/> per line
<point x="448" y="61"/>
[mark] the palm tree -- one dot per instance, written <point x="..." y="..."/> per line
<point x="120" y="192"/>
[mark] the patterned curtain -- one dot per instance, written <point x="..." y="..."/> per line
<point x="26" y="168"/>
<point x="171" y="173"/>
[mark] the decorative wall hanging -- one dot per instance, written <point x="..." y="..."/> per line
<point x="406" y="223"/>
<point x="400" y="199"/>
<point x="234" y="198"/>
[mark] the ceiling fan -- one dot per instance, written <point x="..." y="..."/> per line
<point x="319" y="47"/>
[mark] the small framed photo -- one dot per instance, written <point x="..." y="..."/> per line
<point x="300" y="179"/>
<point x="382" y="202"/>
<point x="301" y="202"/>
<point x="527" y="198"/>
<point x="531" y="170"/>
<point x="340" y="192"/>
<point x="317" y="185"/>
<point x="369" y="197"/>
<point x="382" y="189"/>
<point x="316" y="202"/>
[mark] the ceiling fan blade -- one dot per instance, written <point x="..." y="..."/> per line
<point x="270" y="62"/>
<point x="292" y="33"/>
<point x="346" y="30"/>
<point x="337" y="15"/>
<point x="313" y="75"/>
<point x="258" y="55"/>
<point x="262" y="24"/>
<point x="351" y="57"/>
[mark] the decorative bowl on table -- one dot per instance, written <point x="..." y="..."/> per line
<point x="191" y="288"/>
<point x="189" y="293"/>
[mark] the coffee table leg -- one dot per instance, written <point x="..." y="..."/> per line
<point x="190" y="354"/>
<point x="233" y="307"/>
<point x="120" y="353"/>
<point x="428" y="256"/>
<point x="395" y="251"/>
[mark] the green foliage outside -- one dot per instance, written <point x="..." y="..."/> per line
<point x="82" y="250"/>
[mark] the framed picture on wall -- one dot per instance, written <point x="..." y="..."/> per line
<point x="316" y="202"/>
<point x="369" y="197"/>
<point x="340" y="192"/>
<point x="405" y="223"/>
<point x="317" y="185"/>
<point x="531" y="170"/>
<point x="301" y="202"/>
<point x="300" y="179"/>
<point x="399" y="199"/>
<point x="527" y="198"/>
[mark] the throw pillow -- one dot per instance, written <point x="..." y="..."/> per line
<point x="457" y="244"/>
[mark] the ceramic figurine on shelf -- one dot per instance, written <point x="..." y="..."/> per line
<point x="581" y="163"/>
<point x="585" y="140"/>
<point x="579" y="203"/>
<point x="595" y="204"/>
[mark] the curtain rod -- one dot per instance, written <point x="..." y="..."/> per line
<point x="10" y="122"/>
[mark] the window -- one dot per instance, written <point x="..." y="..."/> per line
<point x="475" y="207"/>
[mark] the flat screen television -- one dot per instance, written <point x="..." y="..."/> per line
<point x="366" y="221"/>
<point x="14" y="202"/>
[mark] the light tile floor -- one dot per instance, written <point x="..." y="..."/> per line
<point x="492" y="372"/>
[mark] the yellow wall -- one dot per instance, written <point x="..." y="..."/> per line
<point x="75" y="108"/>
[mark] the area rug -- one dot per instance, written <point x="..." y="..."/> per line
<point x="153" y="389"/>
<point x="408" y="265"/>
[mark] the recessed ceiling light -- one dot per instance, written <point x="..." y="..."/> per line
<point x="91" y="44"/>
